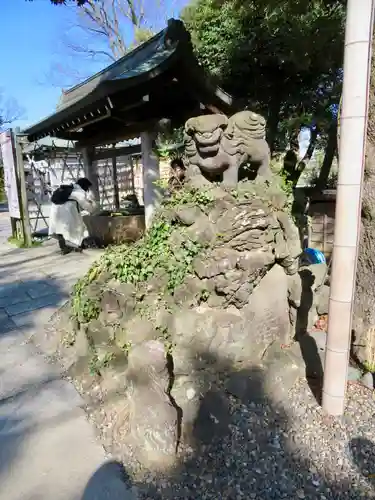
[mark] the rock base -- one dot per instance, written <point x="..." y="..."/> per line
<point x="151" y="347"/>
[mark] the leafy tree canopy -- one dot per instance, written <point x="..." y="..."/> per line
<point x="283" y="57"/>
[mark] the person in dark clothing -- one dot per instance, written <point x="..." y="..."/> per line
<point x="177" y="178"/>
<point x="66" y="222"/>
<point x="84" y="184"/>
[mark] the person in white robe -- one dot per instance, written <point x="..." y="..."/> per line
<point x="66" y="218"/>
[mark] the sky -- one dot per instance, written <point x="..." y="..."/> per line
<point x="28" y="40"/>
<point x="304" y="141"/>
<point x="31" y="41"/>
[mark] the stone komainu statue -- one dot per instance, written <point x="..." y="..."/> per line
<point x="217" y="145"/>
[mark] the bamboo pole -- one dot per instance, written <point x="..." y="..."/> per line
<point x="353" y="124"/>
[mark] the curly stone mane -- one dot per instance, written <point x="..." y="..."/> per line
<point x="243" y="128"/>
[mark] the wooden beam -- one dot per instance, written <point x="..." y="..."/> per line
<point x="122" y="151"/>
<point x="68" y="136"/>
<point x="133" y="124"/>
<point x="110" y="136"/>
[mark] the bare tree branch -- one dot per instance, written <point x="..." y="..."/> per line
<point x="9" y="111"/>
<point x="111" y="21"/>
<point x="91" y="52"/>
<point x="63" y="76"/>
<point x="106" y="30"/>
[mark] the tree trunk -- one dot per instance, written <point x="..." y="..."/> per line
<point x="364" y="305"/>
<point x="329" y="156"/>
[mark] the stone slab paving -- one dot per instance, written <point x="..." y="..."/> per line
<point x="48" y="449"/>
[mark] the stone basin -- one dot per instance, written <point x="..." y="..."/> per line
<point x="111" y="229"/>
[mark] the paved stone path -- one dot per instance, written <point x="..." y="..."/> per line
<point x="48" y="449"/>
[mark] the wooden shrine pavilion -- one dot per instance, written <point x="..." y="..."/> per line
<point x="160" y="79"/>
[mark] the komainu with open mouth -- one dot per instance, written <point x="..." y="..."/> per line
<point x="218" y="145"/>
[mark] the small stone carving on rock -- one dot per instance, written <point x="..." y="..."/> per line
<point x="217" y="145"/>
<point x="148" y="422"/>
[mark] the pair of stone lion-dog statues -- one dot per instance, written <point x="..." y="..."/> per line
<point x="218" y="147"/>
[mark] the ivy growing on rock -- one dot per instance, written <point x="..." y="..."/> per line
<point x="190" y="196"/>
<point x="85" y="308"/>
<point x="151" y="255"/>
<point x="156" y="254"/>
<point x="96" y="364"/>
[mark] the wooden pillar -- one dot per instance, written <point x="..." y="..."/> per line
<point x="132" y="180"/>
<point x="90" y="169"/>
<point x="116" y="193"/>
<point x="151" y="173"/>
<point x="23" y="199"/>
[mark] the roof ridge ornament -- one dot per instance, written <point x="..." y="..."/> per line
<point x="176" y="32"/>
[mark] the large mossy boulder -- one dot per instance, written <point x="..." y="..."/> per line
<point x="214" y="281"/>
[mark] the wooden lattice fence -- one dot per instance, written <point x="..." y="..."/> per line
<point x="45" y="172"/>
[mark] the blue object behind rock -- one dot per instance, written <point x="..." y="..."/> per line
<point x="314" y="256"/>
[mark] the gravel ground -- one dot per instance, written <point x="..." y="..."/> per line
<point x="270" y="452"/>
<point x="257" y="449"/>
<point x="260" y="450"/>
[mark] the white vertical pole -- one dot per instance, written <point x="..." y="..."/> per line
<point x="353" y="121"/>
<point x="151" y="173"/>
